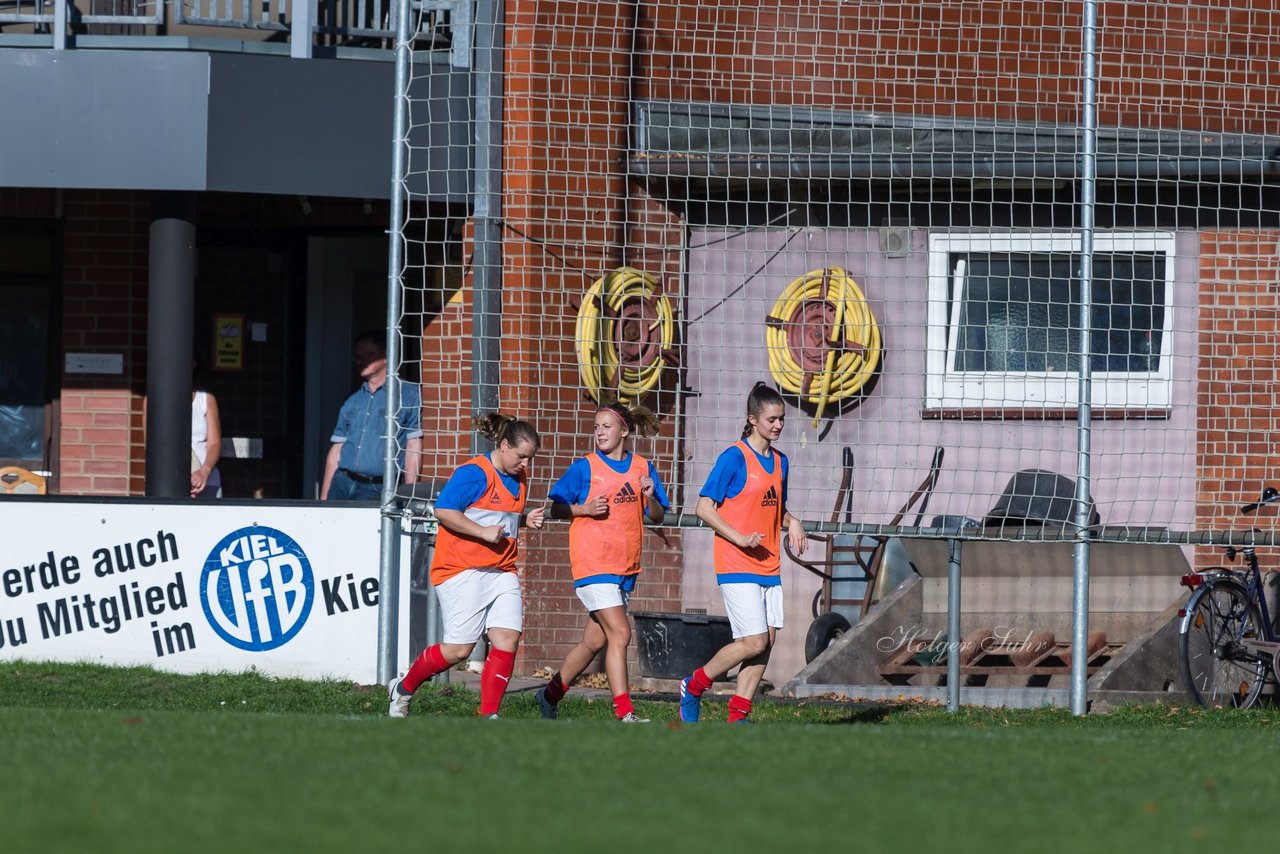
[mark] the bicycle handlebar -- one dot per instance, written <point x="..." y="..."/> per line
<point x="1269" y="496"/>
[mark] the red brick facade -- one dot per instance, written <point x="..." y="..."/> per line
<point x="1174" y="66"/>
<point x="1239" y="396"/>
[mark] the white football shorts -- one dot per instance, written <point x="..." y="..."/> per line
<point x="476" y="600"/>
<point x="752" y="608"/>
<point x="603" y="594"/>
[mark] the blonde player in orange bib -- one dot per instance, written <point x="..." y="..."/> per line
<point x="473" y="570"/>
<point x="745" y="502"/>
<point x="607" y="495"/>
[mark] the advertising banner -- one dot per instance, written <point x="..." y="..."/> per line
<point x="207" y="587"/>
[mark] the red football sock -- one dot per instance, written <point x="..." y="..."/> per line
<point x="555" y="689"/>
<point x="494" y="679"/>
<point x="739" y="708"/>
<point x="699" y="682"/>
<point x="427" y="665"/>
<point x="622" y="705"/>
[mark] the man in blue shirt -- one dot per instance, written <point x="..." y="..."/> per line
<point x="353" y="468"/>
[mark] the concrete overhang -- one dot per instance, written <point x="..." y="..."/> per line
<point x="225" y="121"/>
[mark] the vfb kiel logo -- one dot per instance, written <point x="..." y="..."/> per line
<point x="626" y="495"/>
<point x="770" y="498"/>
<point x="257" y="588"/>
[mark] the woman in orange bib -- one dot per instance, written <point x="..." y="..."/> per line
<point x="473" y="569"/>
<point x="607" y="495"/>
<point x="745" y="502"/>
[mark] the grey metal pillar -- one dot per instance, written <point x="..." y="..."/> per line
<point x="1084" y="412"/>
<point x="60" y="22"/>
<point x="301" y="29"/>
<point x="170" y="317"/>
<point x="953" y="625"/>
<point x="486" y="307"/>
<point x="389" y="546"/>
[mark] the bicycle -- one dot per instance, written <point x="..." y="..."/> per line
<point x="1227" y="645"/>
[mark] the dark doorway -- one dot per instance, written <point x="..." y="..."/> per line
<point x="30" y="305"/>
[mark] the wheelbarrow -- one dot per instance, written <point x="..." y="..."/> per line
<point x="851" y="563"/>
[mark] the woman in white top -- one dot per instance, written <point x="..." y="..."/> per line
<point x="206" y="446"/>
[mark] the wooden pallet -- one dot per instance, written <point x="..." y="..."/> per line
<point x="983" y="655"/>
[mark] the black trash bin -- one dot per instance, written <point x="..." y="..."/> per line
<point x="672" y="646"/>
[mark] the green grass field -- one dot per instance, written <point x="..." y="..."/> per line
<point x="131" y="760"/>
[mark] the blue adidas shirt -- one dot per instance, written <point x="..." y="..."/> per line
<point x="467" y="483"/>
<point x="574" y="486"/>
<point x="729" y="474"/>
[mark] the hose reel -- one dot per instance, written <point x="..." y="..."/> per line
<point x="625" y="334"/>
<point x="823" y="342"/>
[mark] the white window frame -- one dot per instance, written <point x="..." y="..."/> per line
<point x="949" y="389"/>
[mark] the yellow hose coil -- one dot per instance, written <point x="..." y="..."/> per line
<point x="625" y="332"/>
<point x="823" y="342"/>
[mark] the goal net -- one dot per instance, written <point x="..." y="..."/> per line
<point x="921" y="223"/>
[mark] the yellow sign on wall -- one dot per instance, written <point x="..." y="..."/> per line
<point x="228" y="342"/>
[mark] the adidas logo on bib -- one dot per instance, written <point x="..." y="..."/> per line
<point x="770" y="498"/>
<point x="626" y="495"/>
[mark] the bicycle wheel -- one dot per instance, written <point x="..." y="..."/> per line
<point x="1216" y="668"/>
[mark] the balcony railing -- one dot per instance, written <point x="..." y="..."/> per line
<point x="304" y="24"/>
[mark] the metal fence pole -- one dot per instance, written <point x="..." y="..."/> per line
<point x="301" y="29"/>
<point x="953" y="624"/>
<point x="1084" y="410"/>
<point x="60" y="16"/>
<point x="486" y="309"/>
<point x="389" y="561"/>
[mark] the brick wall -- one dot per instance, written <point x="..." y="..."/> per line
<point x="35" y="204"/>
<point x="1189" y="66"/>
<point x="446" y="388"/>
<point x="1239" y="376"/>
<point x="105" y="250"/>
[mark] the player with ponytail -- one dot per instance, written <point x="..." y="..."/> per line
<point x="473" y="569"/>
<point x="744" y="500"/>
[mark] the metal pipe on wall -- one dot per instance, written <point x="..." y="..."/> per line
<point x="486" y="307"/>
<point x="170" y="317"/>
<point x="633" y="74"/>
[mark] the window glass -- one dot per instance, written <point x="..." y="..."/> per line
<point x="1021" y="314"/>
